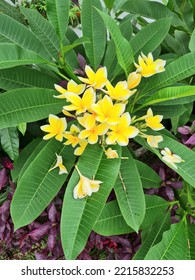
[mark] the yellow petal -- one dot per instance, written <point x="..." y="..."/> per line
<point x="133" y="80"/>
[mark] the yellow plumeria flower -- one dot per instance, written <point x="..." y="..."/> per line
<point x="171" y="158"/>
<point x="72" y="136"/>
<point x="80" y="104"/>
<point x="110" y="153"/>
<point x="85" y="186"/>
<point x="122" y="131"/>
<point x="119" y="92"/>
<point x="133" y="80"/>
<point x="147" y="66"/>
<point x="154" y="140"/>
<point x="107" y="112"/>
<point x="55" y="128"/>
<point x="92" y="130"/>
<point x="82" y="145"/>
<point x="71" y="87"/>
<point x="59" y="163"/>
<point x="96" y="80"/>
<point x="153" y="121"/>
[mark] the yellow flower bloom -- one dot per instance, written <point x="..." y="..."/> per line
<point x="92" y="130"/>
<point x="82" y="145"/>
<point x="85" y="186"/>
<point x="96" y="80"/>
<point x="59" y="163"/>
<point x="148" y="67"/>
<point x="122" y="131"/>
<point x="72" y="136"/>
<point x="56" y="128"/>
<point x="171" y="158"/>
<point x="120" y="91"/>
<point x="153" y="121"/>
<point x="71" y="87"/>
<point x="154" y="140"/>
<point x="110" y="153"/>
<point x="80" y="104"/>
<point x="107" y="112"/>
<point x="133" y="80"/>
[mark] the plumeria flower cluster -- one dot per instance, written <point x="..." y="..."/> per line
<point x="100" y="112"/>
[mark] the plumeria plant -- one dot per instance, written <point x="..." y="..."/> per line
<point x="85" y="105"/>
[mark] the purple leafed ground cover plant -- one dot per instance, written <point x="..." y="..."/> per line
<point x="41" y="239"/>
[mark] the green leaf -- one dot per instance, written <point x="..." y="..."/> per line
<point x="58" y="15"/>
<point x="178" y="70"/>
<point x="109" y="4"/>
<point x="94" y="29"/>
<point x="37" y="187"/>
<point x="170" y="93"/>
<point x="123" y="49"/>
<point x="27" y="105"/>
<point x="173" y="246"/>
<point x="111" y="221"/>
<point x="43" y="30"/>
<point x="11" y="11"/>
<point x="22" y="128"/>
<point x="12" y="55"/>
<point x="22" y="76"/>
<point x="192" y="42"/>
<point x="153" y="235"/>
<point x="129" y="192"/>
<point x="79" y="216"/>
<point x="153" y="10"/>
<point x="27" y="155"/>
<point x="184" y="169"/>
<point x="20" y="35"/>
<point x="75" y="44"/>
<point x="191" y="240"/>
<point x="149" y="178"/>
<point x="150" y="37"/>
<point x="10" y="141"/>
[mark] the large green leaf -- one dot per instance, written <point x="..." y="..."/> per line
<point x="129" y="192"/>
<point x="185" y="168"/>
<point x="43" y="30"/>
<point x="27" y="105"/>
<point x="20" y="35"/>
<point x="58" y="15"/>
<point x="111" y="221"/>
<point x="153" y="235"/>
<point x="9" y="140"/>
<point x="149" y="178"/>
<point x="173" y="246"/>
<point x="93" y="28"/>
<point x="27" y="155"/>
<point x="79" y="216"/>
<point x="12" y="55"/>
<point x="123" y="49"/>
<point x="192" y="42"/>
<point x="11" y="11"/>
<point x="167" y="94"/>
<point x="178" y="70"/>
<point x="191" y="240"/>
<point x="37" y="187"/>
<point x="153" y="10"/>
<point x="150" y="37"/>
<point x="22" y="76"/>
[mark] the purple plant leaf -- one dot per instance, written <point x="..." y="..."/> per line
<point x="185" y="130"/>
<point x="167" y="193"/>
<point x="82" y="62"/>
<point x="3" y="178"/>
<point x="191" y="140"/>
<point x="52" y="239"/>
<point x="175" y="184"/>
<point x="52" y="212"/>
<point x="38" y="233"/>
<point x="63" y="83"/>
